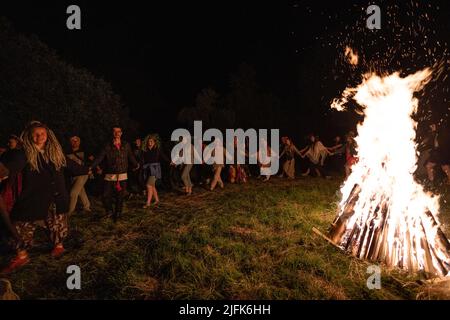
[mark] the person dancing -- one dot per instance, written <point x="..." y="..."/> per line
<point x="44" y="196"/>
<point x="151" y="157"/>
<point x="117" y="155"/>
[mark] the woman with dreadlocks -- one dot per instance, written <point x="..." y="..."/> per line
<point x="44" y="196"/>
<point x="151" y="157"/>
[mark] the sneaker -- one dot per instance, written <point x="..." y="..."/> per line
<point x="57" y="251"/>
<point x="16" y="263"/>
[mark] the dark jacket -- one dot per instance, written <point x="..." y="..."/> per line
<point x="153" y="156"/>
<point x="79" y="158"/>
<point x="7" y="157"/>
<point x="40" y="189"/>
<point x="116" y="160"/>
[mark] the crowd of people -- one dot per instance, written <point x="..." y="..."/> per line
<point x="41" y="182"/>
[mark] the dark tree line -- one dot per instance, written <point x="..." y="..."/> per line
<point x="36" y="84"/>
<point x="244" y="105"/>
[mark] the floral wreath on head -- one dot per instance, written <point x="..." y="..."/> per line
<point x="152" y="136"/>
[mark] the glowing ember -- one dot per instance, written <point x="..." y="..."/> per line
<point x="351" y="56"/>
<point x="385" y="215"/>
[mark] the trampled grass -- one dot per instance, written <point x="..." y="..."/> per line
<point x="252" y="241"/>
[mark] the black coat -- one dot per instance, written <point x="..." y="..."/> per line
<point x="116" y="160"/>
<point x="40" y="189"/>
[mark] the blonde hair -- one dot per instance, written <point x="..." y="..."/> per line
<point x="154" y="137"/>
<point x="52" y="151"/>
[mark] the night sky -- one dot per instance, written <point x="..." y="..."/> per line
<point x="159" y="56"/>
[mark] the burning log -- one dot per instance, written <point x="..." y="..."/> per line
<point x="339" y="225"/>
<point x="369" y="240"/>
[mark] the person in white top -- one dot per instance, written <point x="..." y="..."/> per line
<point x="316" y="153"/>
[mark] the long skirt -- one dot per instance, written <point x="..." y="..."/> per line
<point x="56" y="225"/>
<point x="289" y="168"/>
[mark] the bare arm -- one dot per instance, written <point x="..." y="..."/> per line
<point x="303" y="151"/>
<point x="325" y="149"/>
<point x="297" y="151"/>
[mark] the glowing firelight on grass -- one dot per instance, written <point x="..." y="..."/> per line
<point x="384" y="214"/>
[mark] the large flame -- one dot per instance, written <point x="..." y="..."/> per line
<point x="385" y="214"/>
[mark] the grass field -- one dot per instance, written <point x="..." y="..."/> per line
<point x="252" y="241"/>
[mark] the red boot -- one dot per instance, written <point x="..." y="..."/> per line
<point x="16" y="263"/>
<point x="57" y="251"/>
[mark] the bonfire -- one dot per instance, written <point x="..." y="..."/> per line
<point x="384" y="214"/>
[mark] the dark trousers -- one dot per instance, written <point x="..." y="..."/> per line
<point x="313" y="167"/>
<point x="113" y="198"/>
<point x="135" y="182"/>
